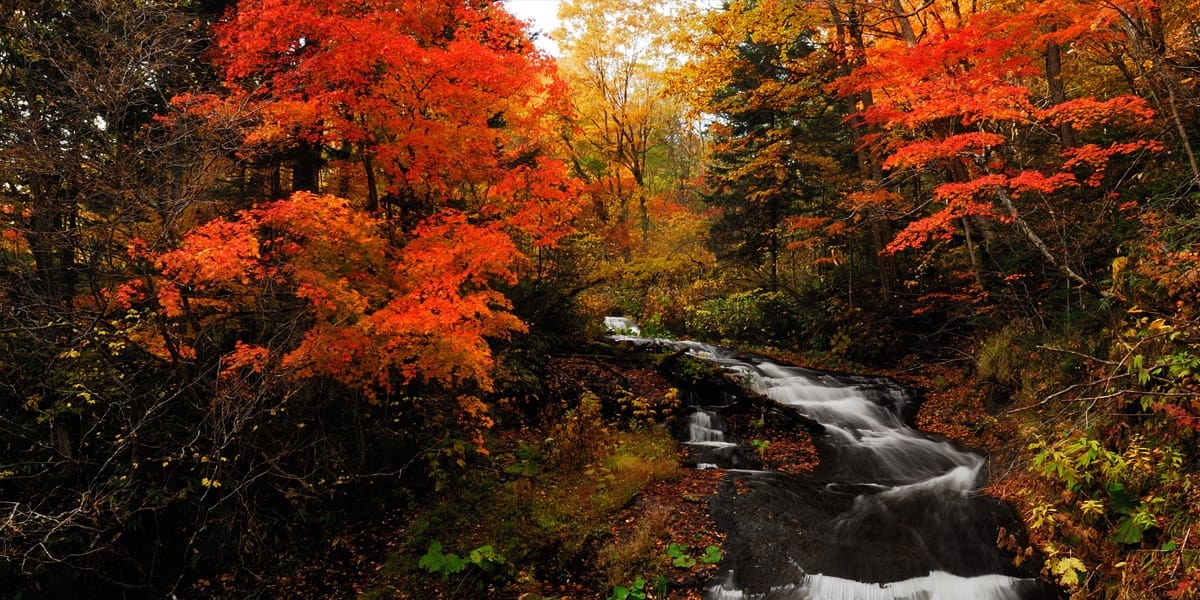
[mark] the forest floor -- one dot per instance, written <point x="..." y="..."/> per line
<point x="639" y="535"/>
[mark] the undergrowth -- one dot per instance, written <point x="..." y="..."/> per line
<point x="545" y="506"/>
<point x="1109" y="422"/>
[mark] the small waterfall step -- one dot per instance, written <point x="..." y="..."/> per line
<point x="704" y="433"/>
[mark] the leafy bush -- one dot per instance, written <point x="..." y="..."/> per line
<point x="580" y="437"/>
<point x="754" y="315"/>
<point x="483" y="565"/>
<point x="1110" y="503"/>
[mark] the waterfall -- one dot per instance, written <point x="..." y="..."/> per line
<point x="621" y="325"/>
<point x="937" y="585"/>
<point x="704" y="433"/>
<point x="892" y="513"/>
<point x="704" y="428"/>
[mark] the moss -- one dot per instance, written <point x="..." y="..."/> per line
<point x="636" y="553"/>
<point x="550" y="520"/>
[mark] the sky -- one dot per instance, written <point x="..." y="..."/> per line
<point x="543" y="14"/>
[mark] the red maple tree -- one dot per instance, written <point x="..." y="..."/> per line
<point x="432" y="115"/>
<point x="959" y="102"/>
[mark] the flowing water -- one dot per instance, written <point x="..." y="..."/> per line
<point x="892" y="513"/>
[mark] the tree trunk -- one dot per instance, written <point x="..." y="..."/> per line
<point x="850" y="30"/>
<point x="885" y="263"/>
<point x="372" y="190"/>
<point x="906" y="30"/>
<point x="972" y="251"/>
<point x="306" y="168"/>
<point x="1038" y="243"/>
<point x="1058" y="92"/>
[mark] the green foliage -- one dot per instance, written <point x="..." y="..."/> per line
<point x="652" y="327"/>
<point x="1111" y="442"/>
<point x="772" y="151"/>
<point x="444" y="462"/>
<point x="1000" y="359"/>
<point x="488" y="566"/>
<point x="756" y="316"/>
<point x="539" y="510"/>
<point x="679" y="556"/>
<point x="637" y="591"/>
<point x="760" y="447"/>
<point x="691" y="371"/>
<point x="524" y="460"/>
<point x="1112" y="500"/>
<point x="1103" y="477"/>
<point x="437" y="562"/>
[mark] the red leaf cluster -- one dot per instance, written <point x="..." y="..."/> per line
<point x="367" y="314"/>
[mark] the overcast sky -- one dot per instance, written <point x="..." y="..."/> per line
<point x="543" y="14"/>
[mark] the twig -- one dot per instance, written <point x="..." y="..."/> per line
<point x="1079" y="354"/>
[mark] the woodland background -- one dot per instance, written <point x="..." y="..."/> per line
<point x="270" y="269"/>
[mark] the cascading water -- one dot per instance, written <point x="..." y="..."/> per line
<point x="703" y="428"/>
<point x="891" y="514"/>
<point x="704" y="432"/>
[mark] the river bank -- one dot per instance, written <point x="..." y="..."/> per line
<point x="650" y="544"/>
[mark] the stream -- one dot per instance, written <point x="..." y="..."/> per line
<point x="891" y="513"/>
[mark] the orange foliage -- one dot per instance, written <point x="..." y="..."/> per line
<point x="957" y="101"/>
<point x="964" y="74"/>
<point x="939" y="225"/>
<point x="807" y="223"/>
<point x="246" y="356"/>
<point x="880" y="197"/>
<point x="1096" y="157"/>
<point x="923" y="152"/>
<point x="377" y="316"/>
<point x="445" y="108"/>
<point x="1090" y="113"/>
<point x="439" y="98"/>
<point x="540" y="200"/>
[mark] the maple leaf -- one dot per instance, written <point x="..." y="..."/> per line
<point x="1068" y="569"/>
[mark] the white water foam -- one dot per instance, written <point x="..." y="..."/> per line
<point x="621" y="325"/>
<point x="938" y="585"/>
<point x="703" y="428"/>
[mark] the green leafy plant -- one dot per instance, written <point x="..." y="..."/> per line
<point x="488" y="565"/>
<point x="678" y="553"/>
<point x="680" y="557"/>
<point x="690" y="370"/>
<point x="637" y="591"/>
<point x="437" y="562"/>
<point x="712" y="555"/>
<point x="653" y="327"/>
<point x="760" y="447"/>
